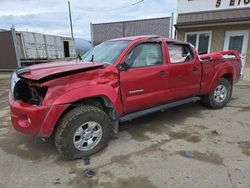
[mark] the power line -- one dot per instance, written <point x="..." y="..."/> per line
<point x="109" y="10"/>
<point x="122" y="7"/>
<point x="137" y="2"/>
<point x="133" y="4"/>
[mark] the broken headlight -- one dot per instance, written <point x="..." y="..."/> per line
<point x="21" y="90"/>
<point x="14" y="79"/>
<point x="37" y="94"/>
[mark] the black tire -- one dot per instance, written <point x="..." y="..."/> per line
<point x="210" y="101"/>
<point x="73" y="120"/>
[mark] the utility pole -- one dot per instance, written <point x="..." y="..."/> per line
<point x="172" y="26"/>
<point x="71" y="27"/>
<point x="70" y="19"/>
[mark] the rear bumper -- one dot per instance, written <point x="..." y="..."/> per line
<point x="33" y="119"/>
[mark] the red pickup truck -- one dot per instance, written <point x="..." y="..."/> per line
<point x="80" y="103"/>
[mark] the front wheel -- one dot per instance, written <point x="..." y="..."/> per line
<point x="83" y="131"/>
<point x="220" y="96"/>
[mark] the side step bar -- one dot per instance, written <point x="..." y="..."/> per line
<point x="134" y="115"/>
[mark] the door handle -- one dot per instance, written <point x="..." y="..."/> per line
<point x="195" y="69"/>
<point x="163" y="72"/>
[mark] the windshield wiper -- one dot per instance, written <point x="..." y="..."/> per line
<point x="92" y="58"/>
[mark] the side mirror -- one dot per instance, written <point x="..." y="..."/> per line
<point x="123" y="66"/>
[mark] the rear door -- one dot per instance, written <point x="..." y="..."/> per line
<point x="144" y="84"/>
<point x="185" y="71"/>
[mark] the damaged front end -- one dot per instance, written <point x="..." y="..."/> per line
<point x="26" y="91"/>
<point x="29" y="114"/>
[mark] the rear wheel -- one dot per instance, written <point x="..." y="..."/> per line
<point x="83" y="131"/>
<point x="220" y="96"/>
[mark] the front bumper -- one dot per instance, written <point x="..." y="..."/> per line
<point x="34" y="119"/>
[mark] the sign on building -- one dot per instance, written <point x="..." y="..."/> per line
<point x="185" y="6"/>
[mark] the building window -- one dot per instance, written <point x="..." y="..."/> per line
<point x="236" y="43"/>
<point x="200" y="40"/>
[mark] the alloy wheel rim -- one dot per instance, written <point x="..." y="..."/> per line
<point x="87" y="136"/>
<point x="220" y="93"/>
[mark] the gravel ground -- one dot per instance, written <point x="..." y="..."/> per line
<point x="188" y="146"/>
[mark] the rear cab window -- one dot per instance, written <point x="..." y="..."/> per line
<point x="179" y="53"/>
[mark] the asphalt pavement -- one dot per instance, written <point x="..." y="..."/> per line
<point x="186" y="147"/>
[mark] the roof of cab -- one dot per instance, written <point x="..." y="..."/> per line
<point x="147" y="37"/>
<point x="136" y="37"/>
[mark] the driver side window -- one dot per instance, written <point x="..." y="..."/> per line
<point x="146" y="54"/>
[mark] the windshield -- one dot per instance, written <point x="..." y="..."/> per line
<point x="106" y="52"/>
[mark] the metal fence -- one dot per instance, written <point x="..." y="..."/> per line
<point x="156" y="26"/>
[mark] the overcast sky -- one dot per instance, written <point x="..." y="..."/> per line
<point x="51" y="16"/>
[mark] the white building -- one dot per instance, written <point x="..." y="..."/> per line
<point x="216" y="25"/>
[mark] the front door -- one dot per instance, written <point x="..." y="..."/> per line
<point x="237" y="40"/>
<point x="144" y="84"/>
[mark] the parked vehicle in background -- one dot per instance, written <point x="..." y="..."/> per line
<point x="22" y="48"/>
<point x="38" y="48"/>
<point x="82" y="103"/>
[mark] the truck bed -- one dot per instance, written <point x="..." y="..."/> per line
<point x="215" y="63"/>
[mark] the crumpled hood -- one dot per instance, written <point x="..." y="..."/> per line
<point x="49" y="71"/>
